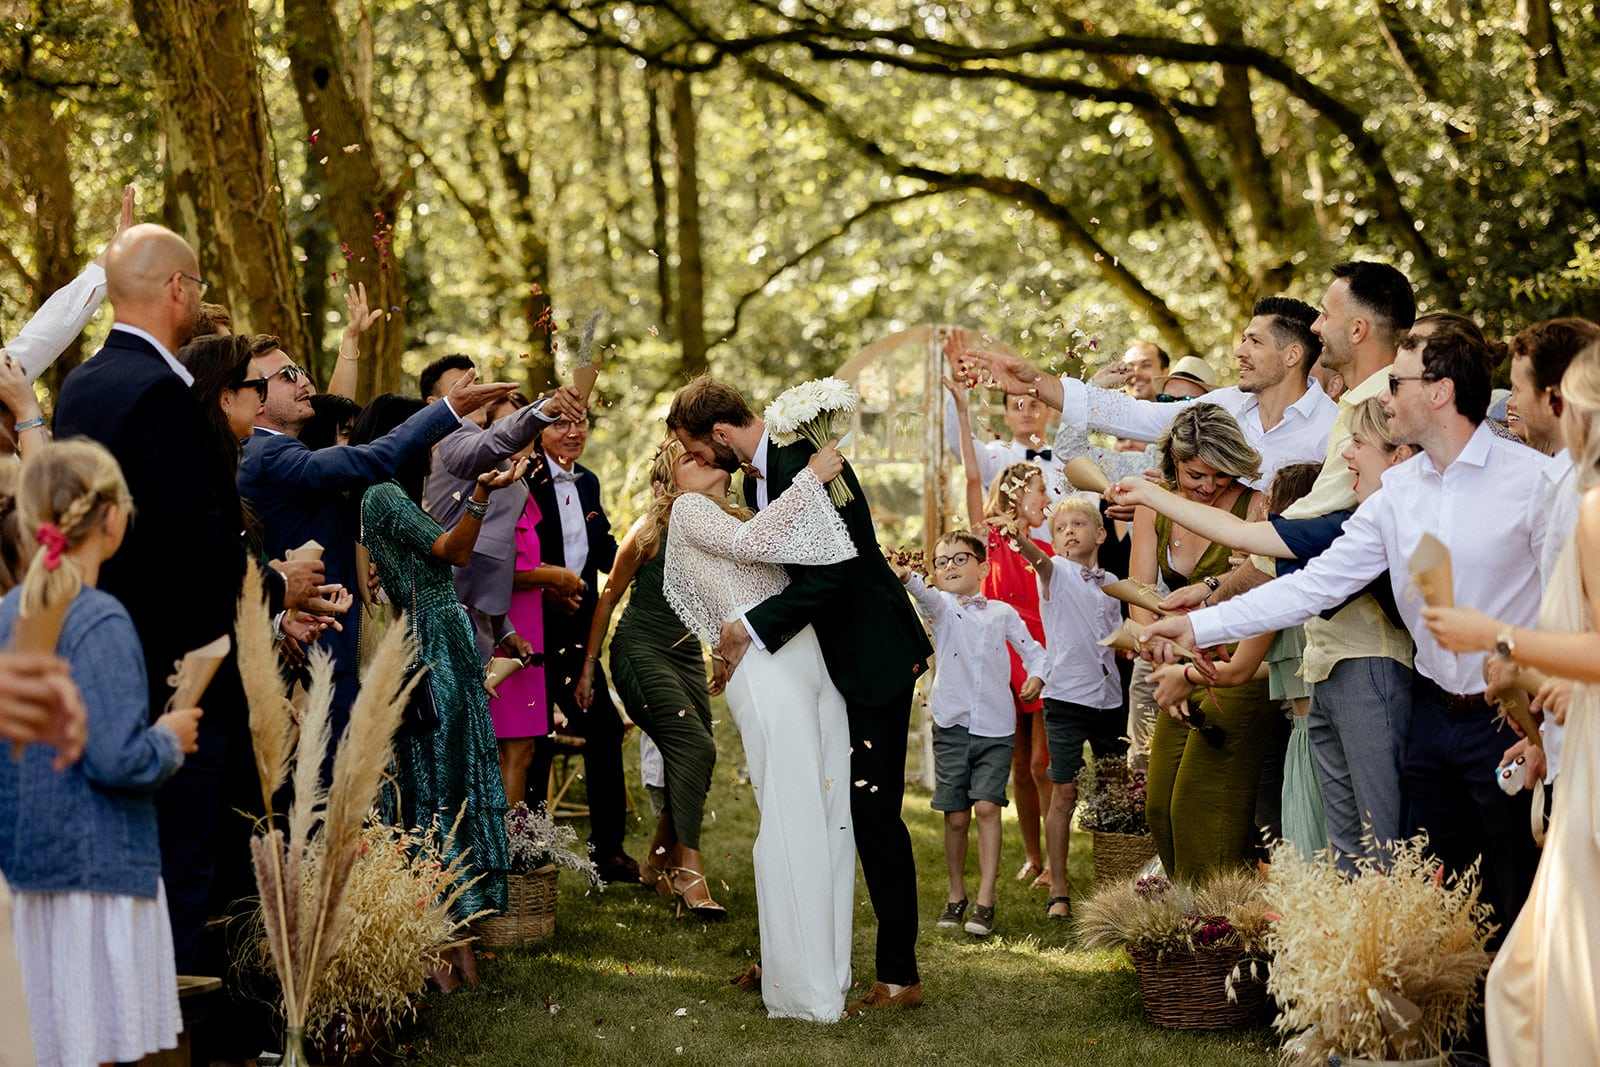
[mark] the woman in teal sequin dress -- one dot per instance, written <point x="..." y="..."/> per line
<point x="457" y="763"/>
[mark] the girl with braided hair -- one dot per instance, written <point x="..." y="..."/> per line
<point x="80" y="846"/>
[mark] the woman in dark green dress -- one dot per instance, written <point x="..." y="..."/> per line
<point x="457" y="764"/>
<point x="1201" y="787"/>
<point x="660" y="673"/>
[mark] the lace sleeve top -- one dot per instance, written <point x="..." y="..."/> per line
<point x="717" y="566"/>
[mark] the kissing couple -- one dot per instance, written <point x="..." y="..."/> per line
<point x="819" y="650"/>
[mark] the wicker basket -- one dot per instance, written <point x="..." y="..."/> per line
<point x="530" y="913"/>
<point x="1189" y="990"/>
<point x="1119" y="856"/>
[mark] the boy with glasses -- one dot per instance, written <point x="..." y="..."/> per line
<point x="973" y="718"/>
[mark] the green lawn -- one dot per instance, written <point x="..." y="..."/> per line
<point x="623" y="981"/>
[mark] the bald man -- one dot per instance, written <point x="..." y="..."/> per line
<point x="179" y="571"/>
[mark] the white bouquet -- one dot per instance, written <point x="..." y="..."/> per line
<point x="807" y="410"/>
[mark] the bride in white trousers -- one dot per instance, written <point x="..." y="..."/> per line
<point x="721" y="562"/>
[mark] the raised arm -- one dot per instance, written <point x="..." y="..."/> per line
<point x="969" y="457"/>
<point x="1214" y="524"/>
<point x="1041" y="563"/>
<point x="343" y="380"/>
<point x="800" y="527"/>
<point x="1002" y="365"/>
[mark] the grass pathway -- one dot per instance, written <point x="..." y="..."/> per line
<point x="624" y="982"/>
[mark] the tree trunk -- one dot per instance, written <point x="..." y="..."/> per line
<point x="358" y="199"/>
<point x="691" y="274"/>
<point x="34" y="152"/>
<point x="221" y="179"/>
<point x="658" y="198"/>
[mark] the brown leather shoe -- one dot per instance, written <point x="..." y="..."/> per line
<point x="880" y="997"/>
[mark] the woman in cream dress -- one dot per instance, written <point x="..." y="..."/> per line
<point x="1541" y="1002"/>
<point x="790" y="717"/>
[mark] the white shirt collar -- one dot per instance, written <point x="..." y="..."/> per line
<point x="558" y="472"/>
<point x="172" y="361"/>
<point x="759" y="459"/>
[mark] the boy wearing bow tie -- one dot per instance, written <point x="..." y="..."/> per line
<point x="973" y="716"/>
<point x="1083" y="692"/>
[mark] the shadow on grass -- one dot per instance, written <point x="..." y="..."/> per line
<point x="622" y="981"/>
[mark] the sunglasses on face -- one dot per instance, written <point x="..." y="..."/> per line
<point x="960" y="559"/>
<point x="258" y="384"/>
<point x="290" y="374"/>
<point x="1396" y="379"/>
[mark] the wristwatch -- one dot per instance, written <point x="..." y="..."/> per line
<point x="1505" y="646"/>
<point x="1211" y="584"/>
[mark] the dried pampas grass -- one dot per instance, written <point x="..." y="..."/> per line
<point x="304" y="910"/>
<point x="1385" y="965"/>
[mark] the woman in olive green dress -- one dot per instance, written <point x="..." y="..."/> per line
<point x="456" y="764"/>
<point x="660" y="672"/>
<point x="1205" y="763"/>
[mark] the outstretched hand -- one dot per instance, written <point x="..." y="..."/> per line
<point x="468" y="395"/>
<point x="1160" y="636"/>
<point x="361" y="318"/>
<point x="499" y="479"/>
<point x="124" y="220"/>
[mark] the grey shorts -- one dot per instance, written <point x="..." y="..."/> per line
<point x="968" y="769"/>
<point x="1068" y="726"/>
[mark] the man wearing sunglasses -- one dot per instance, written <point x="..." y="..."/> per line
<point x="299" y="495"/>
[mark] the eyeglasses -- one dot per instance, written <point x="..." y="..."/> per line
<point x="571" y="426"/>
<point x="205" y="286"/>
<point x="1396" y="379"/>
<point x="960" y="559"/>
<point x="1168" y="398"/>
<point x="290" y="374"/>
<point x="258" y="384"/>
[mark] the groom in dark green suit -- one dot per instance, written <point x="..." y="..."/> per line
<point x="874" y="646"/>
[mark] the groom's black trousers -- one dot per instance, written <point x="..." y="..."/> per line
<point x="878" y="758"/>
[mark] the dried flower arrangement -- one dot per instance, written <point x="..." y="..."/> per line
<point x="536" y="840"/>
<point x="305" y="907"/>
<point x="1111" y="797"/>
<point x="1385" y="965"/>
<point x="1227" y="910"/>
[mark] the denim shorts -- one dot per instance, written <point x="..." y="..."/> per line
<point x="968" y="769"/>
<point x="1068" y="726"/>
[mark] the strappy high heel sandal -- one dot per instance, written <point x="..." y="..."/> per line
<point x="706" y="909"/>
<point x="655" y="878"/>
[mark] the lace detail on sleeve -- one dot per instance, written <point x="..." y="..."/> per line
<point x="1073" y="440"/>
<point x="717" y="565"/>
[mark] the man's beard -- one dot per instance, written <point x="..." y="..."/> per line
<point x="723" y="456"/>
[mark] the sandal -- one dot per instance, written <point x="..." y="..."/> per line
<point x="1029" y="869"/>
<point x="1043" y="881"/>
<point x="748" y="980"/>
<point x="701" y="909"/>
<point x="655" y="878"/>
<point x="1049" y="909"/>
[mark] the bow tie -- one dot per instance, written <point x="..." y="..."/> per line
<point x="1094" y="574"/>
<point x="557" y="474"/>
<point x="1043" y="453"/>
<point x="751" y="471"/>
<point x="972" y="601"/>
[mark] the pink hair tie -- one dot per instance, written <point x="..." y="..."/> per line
<point x="54" y="542"/>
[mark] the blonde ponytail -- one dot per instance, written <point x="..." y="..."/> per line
<point x="63" y="494"/>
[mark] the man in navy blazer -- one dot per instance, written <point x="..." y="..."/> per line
<point x="299" y="495"/>
<point x="180" y="569"/>
<point x="572" y="523"/>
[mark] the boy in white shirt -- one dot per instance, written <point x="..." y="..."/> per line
<point x="1082" y="691"/>
<point x="974" y="721"/>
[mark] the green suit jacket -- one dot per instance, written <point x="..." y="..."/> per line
<point x="871" y="637"/>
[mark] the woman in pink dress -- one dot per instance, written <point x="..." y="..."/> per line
<point x="519" y="709"/>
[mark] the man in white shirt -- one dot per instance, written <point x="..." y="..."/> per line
<point x="1484" y="498"/>
<point x="1284" y="414"/>
<point x="1028" y="420"/>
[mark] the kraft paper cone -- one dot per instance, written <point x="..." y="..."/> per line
<point x="1133" y="591"/>
<point x="1126" y="637"/>
<point x="38" y="631"/>
<point x="500" y="668"/>
<point x="195" y="670"/>
<point x="1513" y="704"/>
<point x="583" y="379"/>
<point x="1084" y="473"/>
<point x="309" y="550"/>
<point x="1430" y="573"/>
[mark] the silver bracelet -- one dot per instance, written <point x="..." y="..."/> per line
<point x="475" y="509"/>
